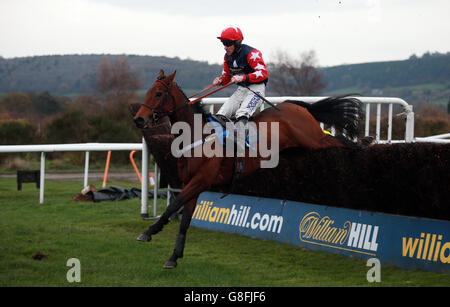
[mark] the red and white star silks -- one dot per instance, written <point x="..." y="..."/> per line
<point x="255" y="61"/>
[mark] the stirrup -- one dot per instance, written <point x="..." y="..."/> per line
<point x="221" y="119"/>
<point x="244" y="124"/>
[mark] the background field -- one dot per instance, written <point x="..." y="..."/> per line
<point x="103" y="237"/>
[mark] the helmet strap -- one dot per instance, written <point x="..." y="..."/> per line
<point x="237" y="45"/>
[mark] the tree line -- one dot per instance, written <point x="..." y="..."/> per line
<point x="42" y="118"/>
<point x="76" y="74"/>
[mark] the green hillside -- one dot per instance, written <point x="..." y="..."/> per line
<point x="418" y="79"/>
<point x="67" y="74"/>
<point x="430" y="68"/>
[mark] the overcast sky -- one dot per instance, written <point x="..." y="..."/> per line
<point x="341" y="32"/>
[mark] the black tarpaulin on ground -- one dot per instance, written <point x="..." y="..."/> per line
<point x="117" y="193"/>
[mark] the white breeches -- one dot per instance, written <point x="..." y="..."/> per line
<point x="243" y="102"/>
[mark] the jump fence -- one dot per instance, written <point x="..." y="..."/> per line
<point x="406" y="242"/>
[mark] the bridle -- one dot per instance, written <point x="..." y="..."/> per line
<point x="158" y="115"/>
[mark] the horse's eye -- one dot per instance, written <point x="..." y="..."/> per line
<point x="159" y="94"/>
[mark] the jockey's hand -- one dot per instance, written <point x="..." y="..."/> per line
<point x="237" y="79"/>
<point x="217" y="81"/>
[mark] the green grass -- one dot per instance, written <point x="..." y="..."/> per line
<point x="421" y="87"/>
<point x="103" y="237"/>
<point x="412" y="93"/>
<point x="347" y="90"/>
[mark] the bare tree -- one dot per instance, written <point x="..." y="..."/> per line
<point x="296" y="76"/>
<point x="116" y="80"/>
<point x="104" y="78"/>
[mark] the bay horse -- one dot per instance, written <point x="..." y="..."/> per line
<point x="298" y="127"/>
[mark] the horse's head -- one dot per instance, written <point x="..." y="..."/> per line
<point x="158" y="103"/>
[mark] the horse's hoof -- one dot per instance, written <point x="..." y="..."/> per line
<point x="144" y="238"/>
<point x="170" y="264"/>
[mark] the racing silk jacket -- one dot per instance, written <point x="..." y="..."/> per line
<point x="247" y="61"/>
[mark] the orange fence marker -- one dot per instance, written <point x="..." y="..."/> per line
<point x="134" y="166"/>
<point x="105" y="175"/>
<point x="152" y="181"/>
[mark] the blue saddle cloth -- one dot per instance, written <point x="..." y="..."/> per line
<point x="223" y="133"/>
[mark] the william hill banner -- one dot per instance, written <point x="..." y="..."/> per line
<point x="406" y="242"/>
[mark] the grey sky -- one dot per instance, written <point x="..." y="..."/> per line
<point x="339" y="31"/>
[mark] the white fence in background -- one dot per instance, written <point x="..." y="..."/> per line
<point x="88" y="147"/>
<point x="440" y="138"/>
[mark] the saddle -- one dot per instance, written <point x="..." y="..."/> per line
<point x="223" y="132"/>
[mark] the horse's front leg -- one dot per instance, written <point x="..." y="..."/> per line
<point x="173" y="207"/>
<point x="189" y="197"/>
<point x="181" y="238"/>
<point x="195" y="186"/>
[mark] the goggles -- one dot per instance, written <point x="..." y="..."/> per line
<point x="227" y="43"/>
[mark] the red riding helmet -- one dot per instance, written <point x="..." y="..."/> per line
<point x="231" y="33"/>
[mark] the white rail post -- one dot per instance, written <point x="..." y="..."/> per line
<point x="42" y="179"/>
<point x="144" y="176"/>
<point x="409" y="132"/>
<point x="168" y="195"/>
<point x="378" y="128"/>
<point x="86" y="169"/>
<point x="389" y="133"/>
<point x="155" y="190"/>
<point x="367" y="127"/>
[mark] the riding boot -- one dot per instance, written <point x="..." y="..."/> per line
<point x="221" y="119"/>
<point x="242" y="119"/>
<point x="241" y="123"/>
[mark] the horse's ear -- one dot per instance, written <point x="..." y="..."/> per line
<point x="161" y="75"/>
<point x="172" y="76"/>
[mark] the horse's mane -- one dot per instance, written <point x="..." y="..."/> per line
<point x="196" y="107"/>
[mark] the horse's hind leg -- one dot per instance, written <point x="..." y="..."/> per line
<point x="181" y="238"/>
<point x="163" y="220"/>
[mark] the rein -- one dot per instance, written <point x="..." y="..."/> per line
<point x="205" y="89"/>
<point x="208" y="94"/>
<point x="158" y="115"/>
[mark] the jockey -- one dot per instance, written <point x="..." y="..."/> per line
<point x="245" y="66"/>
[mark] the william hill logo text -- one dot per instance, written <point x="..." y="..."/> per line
<point x="428" y="247"/>
<point x="354" y="237"/>
<point x="237" y="216"/>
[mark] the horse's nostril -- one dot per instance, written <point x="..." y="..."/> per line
<point x="139" y="122"/>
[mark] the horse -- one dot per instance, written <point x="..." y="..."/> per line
<point x="297" y="124"/>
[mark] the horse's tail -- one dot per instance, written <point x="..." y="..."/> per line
<point x="342" y="111"/>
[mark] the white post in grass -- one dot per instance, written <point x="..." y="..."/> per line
<point x="42" y="179"/>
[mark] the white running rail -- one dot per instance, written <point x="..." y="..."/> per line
<point x="368" y="101"/>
